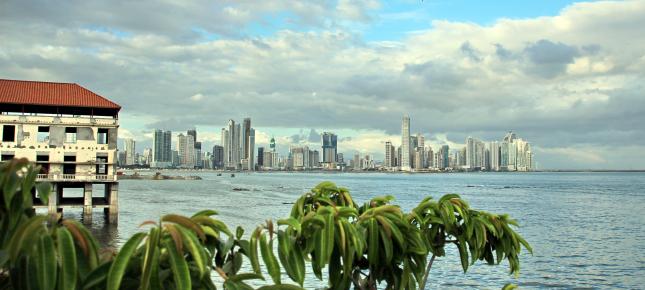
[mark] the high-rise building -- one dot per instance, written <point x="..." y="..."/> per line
<point x="161" y="149"/>
<point x="218" y="157"/>
<point x="443" y="157"/>
<point x="147" y="156"/>
<point x="199" y="156"/>
<point x="314" y="159"/>
<point x="390" y="157"/>
<point x="130" y="151"/>
<point x="329" y="147"/>
<point x="495" y="160"/>
<point x="405" y="143"/>
<point x="186" y="150"/>
<point x="299" y="157"/>
<point x="247" y="145"/>
<point x="260" y="157"/>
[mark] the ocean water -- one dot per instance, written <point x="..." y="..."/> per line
<point x="587" y="229"/>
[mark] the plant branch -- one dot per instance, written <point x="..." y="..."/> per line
<point x="422" y="285"/>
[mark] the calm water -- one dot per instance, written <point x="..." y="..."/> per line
<point x="587" y="229"/>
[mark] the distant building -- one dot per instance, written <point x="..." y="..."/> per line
<point x="405" y="144"/>
<point x="390" y="156"/>
<point x="186" y="150"/>
<point x="260" y="157"/>
<point x="161" y="149"/>
<point x="299" y="157"/>
<point x="329" y="147"/>
<point x="130" y="151"/>
<point x="218" y="157"/>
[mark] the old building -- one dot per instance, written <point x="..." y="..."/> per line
<point x="71" y="133"/>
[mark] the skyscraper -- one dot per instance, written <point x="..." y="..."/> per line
<point x="218" y="157"/>
<point x="389" y="155"/>
<point x="405" y="143"/>
<point x="129" y="151"/>
<point x="161" y="149"/>
<point x="260" y="156"/>
<point x="238" y="142"/>
<point x="186" y="150"/>
<point x="330" y="147"/>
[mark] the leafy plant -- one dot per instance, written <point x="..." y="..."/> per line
<point x="374" y="244"/>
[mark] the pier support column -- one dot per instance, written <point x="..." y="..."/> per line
<point x="113" y="198"/>
<point x="52" y="204"/>
<point x="87" y="203"/>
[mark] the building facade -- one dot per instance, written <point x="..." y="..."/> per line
<point x="71" y="133"/>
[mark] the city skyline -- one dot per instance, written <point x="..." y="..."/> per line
<point x="567" y="75"/>
<point x="236" y="151"/>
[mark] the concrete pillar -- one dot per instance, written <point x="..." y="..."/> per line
<point x="52" y="204"/>
<point x="113" y="199"/>
<point x="87" y="203"/>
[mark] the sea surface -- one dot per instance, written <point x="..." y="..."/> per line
<point x="587" y="229"/>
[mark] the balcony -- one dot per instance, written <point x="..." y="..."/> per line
<point x="76" y="177"/>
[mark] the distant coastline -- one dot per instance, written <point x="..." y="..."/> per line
<point x="146" y="170"/>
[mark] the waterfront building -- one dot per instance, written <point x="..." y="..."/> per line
<point x="314" y="159"/>
<point x="71" y="133"/>
<point x="121" y="158"/>
<point x="175" y="161"/>
<point x="329" y="147"/>
<point x="161" y="149"/>
<point x="299" y="157"/>
<point x="186" y="150"/>
<point x="495" y="160"/>
<point x="429" y="156"/>
<point x="443" y="157"/>
<point x="130" y="151"/>
<point x="199" y="156"/>
<point x="146" y="157"/>
<point x="405" y="144"/>
<point x="356" y="162"/>
<point x="260" y="157"/>
<point x="389" y="161"/>
<point x="218" y="157"/>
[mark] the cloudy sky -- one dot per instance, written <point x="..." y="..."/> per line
<point x="567" y="76"/>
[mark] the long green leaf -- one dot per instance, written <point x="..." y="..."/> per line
<point x="47" y="266"/>
<point x="178" y="265"/>
<point x="67" y="252"/>
<point x="117" y="269"/>
<point x="270" y="261"/>
<point x="152" y="246"/>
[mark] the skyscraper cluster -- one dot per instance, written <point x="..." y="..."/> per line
<point x="510" y="154"/>
<point x="238" y="142"/>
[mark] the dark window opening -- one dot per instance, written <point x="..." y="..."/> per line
<point x="43" y="134"/>
<point x="69" y="168"/>
<point x="102" y="137"/>
<point x="6" y="157"/>
<point x="8" y="133"/>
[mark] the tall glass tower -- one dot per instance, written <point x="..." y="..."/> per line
<point x="405" y="143"/>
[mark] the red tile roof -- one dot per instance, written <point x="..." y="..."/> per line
<point x="51" y="94"/>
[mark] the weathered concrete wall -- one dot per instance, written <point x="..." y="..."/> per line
<point x="112" y="138"/>
<point x="85" y="133"/>
<point x="56" y="135"/>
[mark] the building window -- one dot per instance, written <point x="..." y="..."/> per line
<point x="43" y="134"/>
<point x="8" y="133"/>
<point x="102" y="137"/>
<point x="6" y="157"/>
<point x="69" y="168"/>
<point x="70" y="135"/>
<point x="101" y="165"/>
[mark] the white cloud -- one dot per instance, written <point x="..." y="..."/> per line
<point x="196" y="97"/>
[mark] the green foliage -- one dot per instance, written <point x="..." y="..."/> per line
<point x="360" y="246"/>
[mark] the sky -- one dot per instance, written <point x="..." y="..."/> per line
<point x="567" y="76"/>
